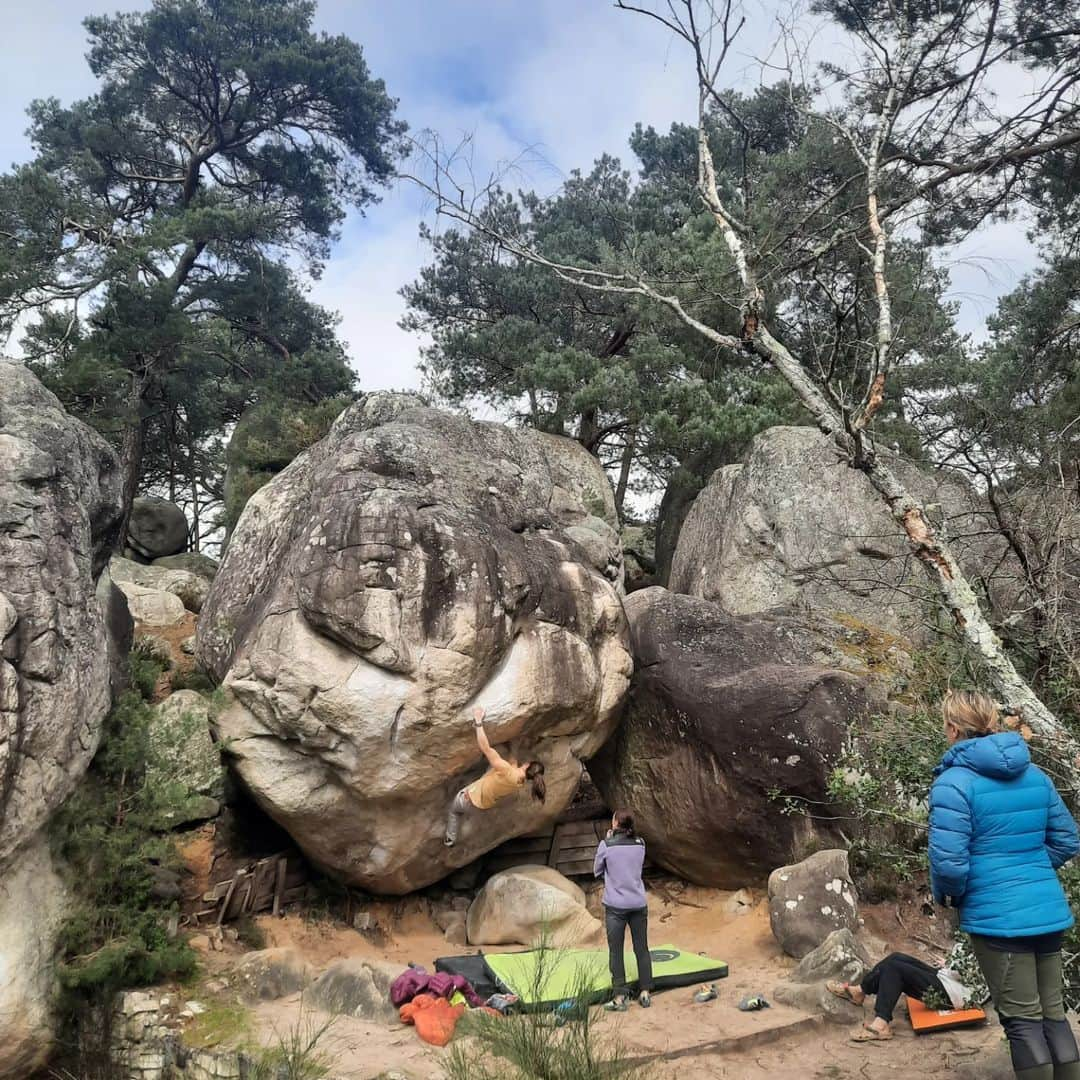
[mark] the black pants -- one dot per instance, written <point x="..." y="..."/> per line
<point x="898" y="974"/>
<point x="616" y="921"/>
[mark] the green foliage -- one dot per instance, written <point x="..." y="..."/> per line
<point x="144" y="668"/>
<point x="151" y="235"/>
<point x="222" y="1021"/>
<point x="567" y="1044"/>
<point x="961" y="959"/>
<point x="250" y="934"/>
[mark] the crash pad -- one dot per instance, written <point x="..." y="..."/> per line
<point x="925" y="1020"/>
<point x="543" y="977"/>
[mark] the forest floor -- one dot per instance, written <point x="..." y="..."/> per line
<point x="676" y="1038"/>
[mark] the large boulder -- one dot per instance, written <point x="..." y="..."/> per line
<point x="59" y="517"/>
<point x="795" y="526"/>
<point x="839" y="957"/>
<point x="156" y="528"/>
<point x="410" y="565"/>
<point x="811" y="900"/>
<point x="727" y="717"/>
<point x="531" y="905"/>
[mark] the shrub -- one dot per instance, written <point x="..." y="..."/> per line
<point x="115" y="933"/>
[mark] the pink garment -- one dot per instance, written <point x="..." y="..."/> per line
<point x="417" y="981"/>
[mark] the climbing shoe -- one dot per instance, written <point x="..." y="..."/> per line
<point x="707" y="993"/>
<point x="618" y="1005"/>
<point x="644" y="999"/>
<point x="752" y="1003"/>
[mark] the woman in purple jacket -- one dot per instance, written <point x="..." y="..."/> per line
<point x="619" y="861"/>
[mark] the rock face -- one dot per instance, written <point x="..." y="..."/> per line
<point x="409" y="565"/>
<point x="811" y="900"/>
<point x="153" y="607"/>
<point x="796" y="527"/>
<point x="724" y="711"/>
<point x="527" y="905"/>
<point x="59" y="516"/>
<point x="157" y="528"/>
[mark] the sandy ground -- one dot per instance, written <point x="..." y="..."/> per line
<point x="679" y="1038"/>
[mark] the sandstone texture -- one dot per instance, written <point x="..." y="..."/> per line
<point x="795" y="527"/>
<point x="727" y="716"/>
<point x="189" y="588"/>
<point x="408" y="566"/>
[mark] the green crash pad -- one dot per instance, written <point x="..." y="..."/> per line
<point x="548" y="976"/>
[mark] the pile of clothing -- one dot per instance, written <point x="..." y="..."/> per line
<point x="434" y="1004"/>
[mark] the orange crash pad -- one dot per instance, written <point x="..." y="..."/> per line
<point x="924" y="1020"/>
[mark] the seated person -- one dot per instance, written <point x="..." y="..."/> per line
<point x="898" y="974"/>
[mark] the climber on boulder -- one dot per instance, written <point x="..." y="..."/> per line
<point x="502" y="778"/>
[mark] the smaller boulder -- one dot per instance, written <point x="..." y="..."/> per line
<point x="811" y="899"/>
<point x="839" y="956"/>
<point x="157" y="527"/>
<point x="270" y="974"/>
<point x="530" y="905"/>
<point x="194" y="562"/>
<point x="354" y="987"/>
<point x="181" y="750"/>
<point x="152" y="607"/>
<point x="192" y="589"/>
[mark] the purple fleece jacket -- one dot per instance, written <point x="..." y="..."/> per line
<point x="619" y="860"/>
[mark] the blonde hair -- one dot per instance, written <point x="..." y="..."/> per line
<point x="971" y="713"/>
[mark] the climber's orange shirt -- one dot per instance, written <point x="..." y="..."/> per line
<point x="494" y="785"/>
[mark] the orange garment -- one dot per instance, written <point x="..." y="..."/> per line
<point x="494" y="785"/>
<point x="434" y="1018"/>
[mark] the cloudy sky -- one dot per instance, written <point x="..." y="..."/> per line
<point x="558" y="80"/>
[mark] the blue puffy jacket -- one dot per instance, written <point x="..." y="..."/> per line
<point x="998" y="833"/>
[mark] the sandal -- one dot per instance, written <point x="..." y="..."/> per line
<point x="842" y="990"/>
<point x="867" y="1034"/>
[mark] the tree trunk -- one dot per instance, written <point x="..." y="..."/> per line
<point x="131" y="454"/>
<point x="588" y="426"/>
<point x="625" y="464"/>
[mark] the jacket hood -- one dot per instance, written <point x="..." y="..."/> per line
<point x="1003" y="756"/>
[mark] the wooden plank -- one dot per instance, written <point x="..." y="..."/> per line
<point x="291" y="896"/>
<point x="225" y="903"/>
<point x="514" y="847"/>
<point x="579" y="829"/>
<point x="553" y="854"/>
<point x="279" y="883"/>
<point x="579" y="866"/>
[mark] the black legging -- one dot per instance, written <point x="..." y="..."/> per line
<point x="898" y="974"/>
<point x="616" y="920"/>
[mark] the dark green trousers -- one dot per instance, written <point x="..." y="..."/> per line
<point x="1027" y="992"/>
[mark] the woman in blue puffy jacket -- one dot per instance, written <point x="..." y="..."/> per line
<point x="998" y="833"/>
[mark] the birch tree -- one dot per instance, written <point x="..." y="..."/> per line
<point x="932" y="154"/>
